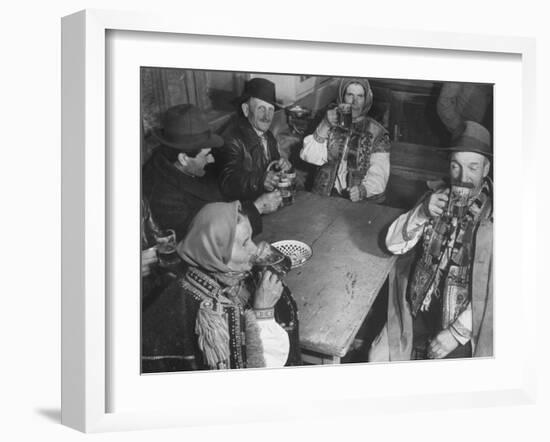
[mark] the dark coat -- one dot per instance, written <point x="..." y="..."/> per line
<point x="241" y="162"/>
<point x="169" y="337"/>
<point x="175" y="198"/>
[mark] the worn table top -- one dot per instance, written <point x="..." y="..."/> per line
<point x="335" y="289"/>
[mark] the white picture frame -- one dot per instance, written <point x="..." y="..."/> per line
<point x="86" y="206"/>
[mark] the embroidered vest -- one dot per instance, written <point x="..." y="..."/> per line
<point x="355" y="148"/>
<point x="444" y="268"/>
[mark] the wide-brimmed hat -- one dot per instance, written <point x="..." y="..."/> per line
<point x="185" y="128"/>
<point x="474" y="138"/>
<point x="260" y="88"/>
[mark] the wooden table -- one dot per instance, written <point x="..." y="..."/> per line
<point x="335" y="289"/>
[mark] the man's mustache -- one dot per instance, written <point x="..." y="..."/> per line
<point x="459" y="183"/>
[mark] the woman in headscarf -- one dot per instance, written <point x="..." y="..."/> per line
<point x="354" y="162"/>
<point x="218" y="315"/>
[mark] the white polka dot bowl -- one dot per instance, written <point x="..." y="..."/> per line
<point x="297" y="251"/>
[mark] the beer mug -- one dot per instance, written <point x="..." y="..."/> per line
<point x="285" y="189"/>
<point x="290" y="175"/>
<point x="166" y="247"/>
<point x="343" y="111"/>
<point x="459" y="196"/>
<point x="269" y="258"/>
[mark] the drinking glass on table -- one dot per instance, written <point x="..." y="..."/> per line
<point x="166" y="247"/>
<point x="291" y="176"/>
<point x="285" y="188"/>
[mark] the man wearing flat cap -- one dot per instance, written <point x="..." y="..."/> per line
<point x="443" y="308"/>
<point x="176" y="181"/>
<point x="250" y="146"/>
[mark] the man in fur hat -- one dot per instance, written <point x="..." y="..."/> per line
<point x="444" y="307"/>
<point x="250" y="146"/>
<point x="353" y="162"/>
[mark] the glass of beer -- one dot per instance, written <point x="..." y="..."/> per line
<point x="458" y="198"/>
<point x="285" y="188"/>
<point x="344" y="115"/>
<point x="291" y="176"/>
<point x="166" y="247"/>
<point x="269" y="258"/>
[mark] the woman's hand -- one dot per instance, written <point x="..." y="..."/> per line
<point x="269" y="291"/>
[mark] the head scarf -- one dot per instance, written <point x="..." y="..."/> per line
<point x="209" y="242"/>
<point x="345" y="82"/>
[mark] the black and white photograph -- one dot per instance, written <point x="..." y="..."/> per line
<point x="299" y="219"/>
<point x="275" y="221"/>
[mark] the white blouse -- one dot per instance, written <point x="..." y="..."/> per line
<point x="376" y="178"/>
<point x="275" y="342"/>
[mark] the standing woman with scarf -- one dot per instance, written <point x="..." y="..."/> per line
<point x="361" y="169"/>
<point x="217" y="315"/>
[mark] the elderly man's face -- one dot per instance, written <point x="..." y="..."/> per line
<point x="469" y="167"/>
<point x="244" y="249"/>
<point x="355" y="95"/>
<point x="259" y="113"/>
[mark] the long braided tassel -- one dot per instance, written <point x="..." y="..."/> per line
<point x="213" y="335"/>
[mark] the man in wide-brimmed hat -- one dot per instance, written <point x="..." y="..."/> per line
<point x="250" y="146"/>
<point x="444" y="307"/>
<point x="175" y="181"/>
<point x="354" y="161"/>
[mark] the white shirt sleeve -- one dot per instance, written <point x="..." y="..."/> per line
<point x="413" y="228"/>
<point x="377" y="176"/>
<point x="275" y="343"/>
<point x="314" y="152"/>
<point x="461" y="328"/>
